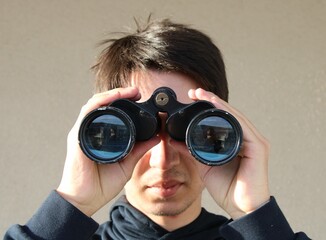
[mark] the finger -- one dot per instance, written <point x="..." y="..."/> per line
<point x="251" y="136"/>
<point x="127" y="92"/>
<point x="200" y="94"/>
<point x="105" y="98"/>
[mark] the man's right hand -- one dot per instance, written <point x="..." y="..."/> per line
<point x="86" y="184"/>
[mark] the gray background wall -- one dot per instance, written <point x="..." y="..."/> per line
<point x="275" y="56"/>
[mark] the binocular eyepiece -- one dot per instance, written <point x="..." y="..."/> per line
<point x="108" y="134"/>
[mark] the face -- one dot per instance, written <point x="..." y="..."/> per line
<point x="166" y="182"/>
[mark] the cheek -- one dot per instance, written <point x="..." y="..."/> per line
<point x="198" y="169"/>
<point x="194" y="170"/>
<point x="141" y="167"/>
<point x="135" y="186"/>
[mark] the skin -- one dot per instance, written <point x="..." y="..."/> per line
<point x="160" y="177"/>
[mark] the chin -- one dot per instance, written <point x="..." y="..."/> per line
<point x="168" y="208"/>
<point x="167" y="212"/>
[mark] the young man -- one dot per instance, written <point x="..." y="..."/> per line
<point x="163" y="183"/>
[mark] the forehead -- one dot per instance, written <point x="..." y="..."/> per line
<point x="147" y="82"/>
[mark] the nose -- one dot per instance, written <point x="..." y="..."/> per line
<point x="163" y="155"/>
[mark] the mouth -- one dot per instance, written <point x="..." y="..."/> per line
<point x="165" y="189"/>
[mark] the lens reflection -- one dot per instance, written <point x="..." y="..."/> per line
<point x="213" y="139"/>
<point x="107" y="137"/>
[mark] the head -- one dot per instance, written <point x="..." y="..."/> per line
<point x="162" y="46"/>
<point x="166" y="182"/>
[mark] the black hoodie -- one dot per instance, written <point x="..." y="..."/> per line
<point x="127" y="221"/>
<point x="58" y="219"/>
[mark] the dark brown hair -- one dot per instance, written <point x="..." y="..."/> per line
<point x="162" y="46"/>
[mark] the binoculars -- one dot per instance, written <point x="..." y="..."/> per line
<point x="108" y="134"/>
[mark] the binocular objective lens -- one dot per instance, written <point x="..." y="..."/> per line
<point x="107" y="138"/>
<point x="213" y="140"/>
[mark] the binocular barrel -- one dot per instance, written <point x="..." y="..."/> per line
<point x="108" y="134"/>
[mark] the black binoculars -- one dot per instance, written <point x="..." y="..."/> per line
<point x="108" y="134"/>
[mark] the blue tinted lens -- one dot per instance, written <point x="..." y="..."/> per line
<point x="213" y="139"/>
<point x="107" y="137"/>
